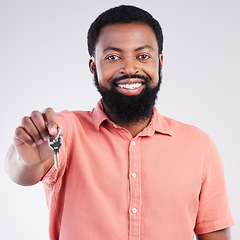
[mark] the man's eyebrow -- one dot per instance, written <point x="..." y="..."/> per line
<point x="112" y="49"/>
<point x="120" y="50"/>
<point x="143" y="47"/>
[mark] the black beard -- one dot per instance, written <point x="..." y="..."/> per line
<point x="132" y="109"/>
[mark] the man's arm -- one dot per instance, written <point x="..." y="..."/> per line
<point x="223" y="234"/>
<point x="30" y="157"/>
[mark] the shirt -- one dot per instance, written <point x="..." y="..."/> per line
<point x="165" y="183"/>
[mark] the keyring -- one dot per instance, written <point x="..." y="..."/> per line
<point x="59" y="132"/>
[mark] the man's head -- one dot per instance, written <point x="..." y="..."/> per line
<point x="120" y="15"/>
<point x="126" y="61"/>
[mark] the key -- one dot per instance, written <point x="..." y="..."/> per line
<point x="55" y="143"/>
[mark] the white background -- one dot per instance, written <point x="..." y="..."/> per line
<point x="44" y="62"/>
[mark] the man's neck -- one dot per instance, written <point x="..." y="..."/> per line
<point x="135" y="129"/>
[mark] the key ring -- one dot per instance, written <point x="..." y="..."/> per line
<point x="59" y="132"/>
<point x="58" y="135"/>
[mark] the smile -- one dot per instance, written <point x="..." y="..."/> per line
<point x="131" y="86"/>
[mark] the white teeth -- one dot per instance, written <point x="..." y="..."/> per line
<point x="130" y="86"/>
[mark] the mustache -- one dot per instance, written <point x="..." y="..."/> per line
<point x="147" y="79"/>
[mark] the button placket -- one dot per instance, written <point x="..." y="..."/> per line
<point x="135" y="190"/>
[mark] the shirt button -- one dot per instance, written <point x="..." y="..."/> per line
<point x="134" y="210"/>
<point x="133" y="143"/>
<point x="114" y="125"/>
<point x="134" y="175"/>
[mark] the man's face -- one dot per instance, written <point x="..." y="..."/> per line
<point x="127" y="65"/>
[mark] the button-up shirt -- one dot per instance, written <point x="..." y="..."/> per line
<point x="165" y="183"/>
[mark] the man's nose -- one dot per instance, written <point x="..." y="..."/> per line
<point x="129" y="66"/>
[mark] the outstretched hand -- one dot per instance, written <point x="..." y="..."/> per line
<point x="31" y="138"/>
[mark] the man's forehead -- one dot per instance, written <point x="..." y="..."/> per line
<point x="125" y="27"/>
<point x="135" y="34"/>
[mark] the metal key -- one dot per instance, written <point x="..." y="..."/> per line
<point x="55" y="143"/>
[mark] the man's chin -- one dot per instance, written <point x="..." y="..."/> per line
<point x="129" y="106"/>
<point x="129" y="109"/>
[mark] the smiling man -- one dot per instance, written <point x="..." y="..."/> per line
<point x="126" y="67"/>
<point x="126" y="172"/>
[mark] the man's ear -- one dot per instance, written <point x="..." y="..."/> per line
<point x="161" y="60"/>
<point x="91" y="64"/>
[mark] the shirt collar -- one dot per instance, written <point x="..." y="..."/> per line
<point x="99" y="115"/>
<point x="158" y="122"/>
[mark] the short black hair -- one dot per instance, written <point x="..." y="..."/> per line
<point x="122" y="14"/>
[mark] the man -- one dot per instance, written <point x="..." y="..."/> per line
<point x="126" y="172"/>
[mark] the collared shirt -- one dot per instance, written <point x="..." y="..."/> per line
<point x="165" y="183"/>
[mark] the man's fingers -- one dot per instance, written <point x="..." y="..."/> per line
<point x="32" y="130"/>
<point x="40" y="125"/>
<point x="21" y="136"/>
<point x="36" y="128"/>
<point x="50" y="117"/>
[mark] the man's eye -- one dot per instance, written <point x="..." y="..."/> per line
<point x="144" y="56"/>
<point x="112" y="57"/>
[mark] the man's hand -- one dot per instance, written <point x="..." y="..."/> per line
<point x="31" y="138"/>
<point x="31" y="157"/>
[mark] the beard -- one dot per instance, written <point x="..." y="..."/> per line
<point x="129" y="109"/>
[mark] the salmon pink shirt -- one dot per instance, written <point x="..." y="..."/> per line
<point x="167" y="183"/>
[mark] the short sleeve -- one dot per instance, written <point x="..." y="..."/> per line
<point x="214" y="211"/>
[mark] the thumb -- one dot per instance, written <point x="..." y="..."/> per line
<point x="52" y="129"/>
<point x="50" y="118"/>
